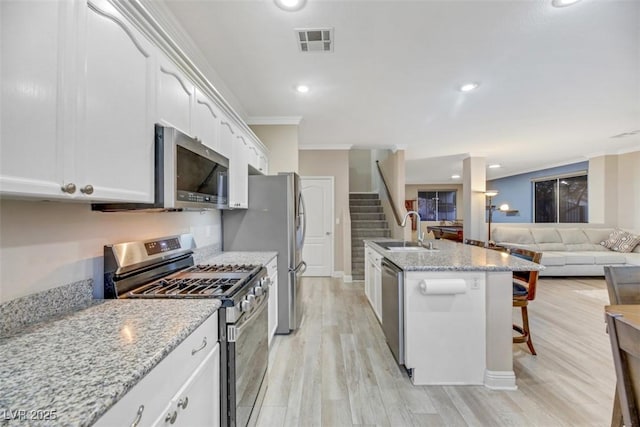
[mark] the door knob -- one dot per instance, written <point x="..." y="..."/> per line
<point x="328" y="233"/>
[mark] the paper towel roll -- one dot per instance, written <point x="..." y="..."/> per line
<point x="443" y="286"/>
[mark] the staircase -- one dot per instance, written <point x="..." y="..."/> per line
<point x="367" y="222"/>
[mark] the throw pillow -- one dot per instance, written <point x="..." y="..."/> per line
<point x="621" y="241"/>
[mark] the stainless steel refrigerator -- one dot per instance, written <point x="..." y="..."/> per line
<point x="274" y="221"/>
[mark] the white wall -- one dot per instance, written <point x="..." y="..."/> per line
<point x="360" y="177"/>
<point x="629" y="190"/>
<point x="44" y="245"/>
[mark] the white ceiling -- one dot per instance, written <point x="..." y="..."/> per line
<point x="556" y="83"/>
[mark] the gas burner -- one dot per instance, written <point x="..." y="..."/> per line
<point x="188" y="287"/>
<point x="221" y="268"/>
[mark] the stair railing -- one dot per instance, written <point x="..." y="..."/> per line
<point x="396" y="214"/>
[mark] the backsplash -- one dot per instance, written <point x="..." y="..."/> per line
<point x="44" y="245"/>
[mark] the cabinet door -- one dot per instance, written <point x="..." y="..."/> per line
<point x="206" y="121"/>
<point x="114" y="153"/>
<point x="32" y="128"/>
<point x="227" y="137"/>
<point x="273" y="307"/>
<point x="175" y="96"/>
<point x="197" y="403"/>
<point x="239" y="174"/>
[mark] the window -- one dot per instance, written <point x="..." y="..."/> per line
<point x="561" y="199"/>
<point x="437" y="205"/>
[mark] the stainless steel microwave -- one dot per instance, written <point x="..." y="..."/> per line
<point x="188" y="176"/>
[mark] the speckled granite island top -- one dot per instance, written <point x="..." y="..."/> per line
<point x="453" y="256"/>
<point x="83" y="363"/>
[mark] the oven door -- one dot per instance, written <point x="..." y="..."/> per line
<point x="248" y="359"/>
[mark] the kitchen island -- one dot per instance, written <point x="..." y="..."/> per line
<point x="455" y="312"/>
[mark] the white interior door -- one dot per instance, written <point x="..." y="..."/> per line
<point x="317" y="251"/>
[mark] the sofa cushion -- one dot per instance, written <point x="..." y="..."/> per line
<point x="579" y="258"/>
<point x="552" y="247"/>
<point x="597" y="235"/>
<point x="573" y="236"/>
<point x="621" y="241"/>
<point x="553" y="258"/>
<point x="609" y="257"/>
<point x="520" y="236"/>
<point x="586" y="247"/>
<point x="546" y="235"/>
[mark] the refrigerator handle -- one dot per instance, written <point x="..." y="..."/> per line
<point x="304" y="218"/>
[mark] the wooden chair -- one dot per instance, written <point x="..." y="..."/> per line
<point x="472" y="242"/>
<point x="524" y="290"/>
<point x="623" y="284"/>
<point x="625" y="346"/>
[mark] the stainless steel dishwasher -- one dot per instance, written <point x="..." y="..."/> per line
<point x="393" y="308"/>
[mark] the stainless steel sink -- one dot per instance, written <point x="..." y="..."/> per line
<point x="403" y="246"/>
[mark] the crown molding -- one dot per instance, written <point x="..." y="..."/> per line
<point x="325" y="147"/>
<point x="274" y="120"/>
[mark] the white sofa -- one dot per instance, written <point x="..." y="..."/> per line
<point x="566" y="251"/>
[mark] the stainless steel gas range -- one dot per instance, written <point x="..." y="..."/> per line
<point x="164" y="268"/>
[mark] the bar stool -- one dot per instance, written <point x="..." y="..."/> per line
<point x="524" y="290"/>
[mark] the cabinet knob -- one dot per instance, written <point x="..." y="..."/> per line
<point x="171" y="418"/>
<point x="182" y="403"/>
<point x="69" y="188"/>
<point x="87" y="189"/>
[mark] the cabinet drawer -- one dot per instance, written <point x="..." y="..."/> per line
<point x="158" y="386"/>
<point x="272" y="267"/>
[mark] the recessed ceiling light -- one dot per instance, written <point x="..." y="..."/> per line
<point x="494" y="166"/>
<point x="563" y="3"/>
<point x="290" y="5"/>
<point x="468" y="87"/>
<point x="302" y="88"/>
<point x="455" y="176"/>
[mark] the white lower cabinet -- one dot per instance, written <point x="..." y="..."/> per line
<point x="186" y="382"/>
<point x="272" y="271"/>
<point x="198" y="401"/>
<point x="373" y="280"/>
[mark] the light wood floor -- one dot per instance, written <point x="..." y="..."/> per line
<point x="337" y="370"/>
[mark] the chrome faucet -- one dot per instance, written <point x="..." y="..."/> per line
<point x="420" y="233"/>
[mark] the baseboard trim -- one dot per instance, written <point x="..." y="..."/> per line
<point x="347" y="279"/>
<point x="337" y="274"/>
<point x="500" y="380"/>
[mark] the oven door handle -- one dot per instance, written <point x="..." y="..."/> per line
<point x="245" y="323"/>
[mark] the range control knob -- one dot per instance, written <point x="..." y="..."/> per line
<point x="257" y="290"/>
<point x="252" y="299"/>
<point x="245" y="306"/>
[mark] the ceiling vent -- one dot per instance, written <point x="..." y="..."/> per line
<point x="623" y="134"/>
<point x="314" y="39"/>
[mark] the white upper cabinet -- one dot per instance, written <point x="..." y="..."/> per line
<point x="76" y="123"/>
<point x="176" y="96"/>
<point x="239" y="173"/>
<point x="206" y="121"/>
<point x="228" y="136"/>
<point x="118" y="132"/>
<point x="32" y="127"/>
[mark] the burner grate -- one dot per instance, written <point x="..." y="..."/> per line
<point x="198" y="287"/>
<point x="221" y="268"/>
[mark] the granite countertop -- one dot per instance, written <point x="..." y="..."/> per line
<point x="83" y="363"/>
<point x="454" y="256"/>
<point x="241" y="257"/>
